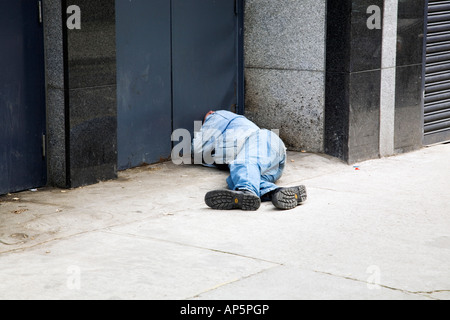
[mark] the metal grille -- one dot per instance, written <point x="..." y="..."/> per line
<point x="437" y="73"/>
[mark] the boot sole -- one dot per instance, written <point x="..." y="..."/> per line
<point x="229" y="200"/>
<point x="289" y="198"/>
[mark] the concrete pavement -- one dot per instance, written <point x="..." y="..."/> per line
<point x="380" y="232"/>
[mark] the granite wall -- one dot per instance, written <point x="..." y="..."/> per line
<point x="55" y="93"/>
<point x="285" y="69"/>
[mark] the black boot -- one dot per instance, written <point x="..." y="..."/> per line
<point x="229" y="200"/>
<point x="289" y="198"/>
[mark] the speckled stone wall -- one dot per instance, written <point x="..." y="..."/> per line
<point x="55" y="89"/>
<point x="285" y="69"/>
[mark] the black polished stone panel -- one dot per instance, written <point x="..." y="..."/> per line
<point x="353" y="80"/>
<point x="91" y="94"/>
<point x="92" y="49"/>
<point x="93" y="139"/>
<point x="366" y="44"/>
<point x="408" y="109"/>
<point x="92" y="103"/>
<point x="338" y="40"/>
<point x="352" y="121"/>
<point x="410" y="32"/>
<point x="364" y="116"/>
<point x="351" y="45"/>
<point x="93" y="142"/>
<point x="337" y="110"/>
<point x="408" y="131"/>
<point x="93" y="151"/>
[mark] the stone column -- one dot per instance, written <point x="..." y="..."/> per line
<point x="81" y="93"/>
<point x="55" y="93"/>
<point x="374" y="87"/>
<point x="353" y="80"/>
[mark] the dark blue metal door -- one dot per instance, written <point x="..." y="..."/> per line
<point x="143" y="81"/>
<point x="22" y="96"/>
<point x="176" y="60"/>
<point x="205" y="59"/>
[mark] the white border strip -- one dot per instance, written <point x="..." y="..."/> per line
<point x="388" y="78"/>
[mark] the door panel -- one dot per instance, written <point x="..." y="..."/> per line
<point x="144" y="81"/>
<point x="176" y="60"/>
<point x="22" y="97"/>
<point x="204" y="61"/>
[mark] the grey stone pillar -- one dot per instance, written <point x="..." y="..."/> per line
<point x="353" y="85"/>
<point x="55" y="93"/>
<point x="374" y="87"/>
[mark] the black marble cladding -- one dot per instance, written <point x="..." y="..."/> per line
<point x="408" y="108"/>
<point x="409" y="80"/>
<point x="352" y="103"/>
<point x="364" y="115"/>
<point x="410" y="32"/>
<point x="91" y="94"/>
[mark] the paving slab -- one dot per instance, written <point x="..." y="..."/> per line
<point x="293" y="283"/>
<point x="102" y="265"/>
<point x="149" y="235"/>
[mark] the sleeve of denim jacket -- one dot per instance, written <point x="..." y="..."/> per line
<point x="233" y="139"/>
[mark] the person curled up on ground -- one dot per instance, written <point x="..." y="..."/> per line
<point x="255" y="157"/>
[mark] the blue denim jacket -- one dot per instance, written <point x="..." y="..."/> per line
<point x="256" y="157"/>
<point x="222" y="137"/>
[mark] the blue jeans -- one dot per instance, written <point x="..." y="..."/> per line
<point x="259" y="164"/>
